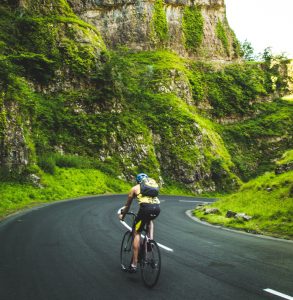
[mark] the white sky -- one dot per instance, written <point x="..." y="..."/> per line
<point x="263" y="23"/>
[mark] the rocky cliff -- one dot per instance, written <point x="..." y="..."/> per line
<point x="103" y="81"/>
<point x="190" y="28"/>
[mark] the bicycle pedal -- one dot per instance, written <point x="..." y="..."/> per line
<point x="131" y="270"/>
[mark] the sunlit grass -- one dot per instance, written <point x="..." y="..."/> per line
<point x="268" y="199"/>
<point x="288" y="98"/>
<point x="286" y="158"/>
<point x="67" y="183"/>
<point x="64" y="184"/>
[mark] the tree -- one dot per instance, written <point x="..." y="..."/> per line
<point x="247" y="51"/>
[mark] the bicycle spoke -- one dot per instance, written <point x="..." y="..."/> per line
<point x="151" y="264"/>
<point x="126" y="251"/>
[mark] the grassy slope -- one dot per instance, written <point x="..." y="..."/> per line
<point x="268" y="199"/>
<point x="137" y="78"/>
<point x="64" y="184"/>
<point x="254" y="144"/>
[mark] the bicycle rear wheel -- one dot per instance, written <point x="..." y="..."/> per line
<point x="150" y="263"/>
<point x="126" y="251"/>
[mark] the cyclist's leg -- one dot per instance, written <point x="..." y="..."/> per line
<point x="153" y="213"/>
<point x="151" y="229"/>
<point x="138" y="225"/>
<point x="136" y="240"/>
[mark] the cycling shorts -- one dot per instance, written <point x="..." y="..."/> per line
<point x="146" y="213"/>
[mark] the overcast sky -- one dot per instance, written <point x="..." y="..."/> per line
<point x="264" y="23"/>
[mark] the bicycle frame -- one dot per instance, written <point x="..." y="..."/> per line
<point x="149" y="257"/>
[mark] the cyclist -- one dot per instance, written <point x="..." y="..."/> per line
<point x="149" y="209"/>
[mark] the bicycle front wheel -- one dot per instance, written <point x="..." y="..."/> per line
<point x="150" y="264"/>
<point x="126" y="251"/>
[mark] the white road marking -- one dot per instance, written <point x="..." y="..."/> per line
<point x="195" y="201"/>
<point x="165" y="247"/>
<point x="130" y="229"/>
<point x="278" y="294"/>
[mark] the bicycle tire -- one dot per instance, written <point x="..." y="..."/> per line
<point x="126" y="251"/>
<point x="150" y="263"/>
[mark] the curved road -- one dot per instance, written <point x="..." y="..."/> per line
<point x="70" y="250"/>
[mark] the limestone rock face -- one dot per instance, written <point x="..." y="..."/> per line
<point x="14" y="152"/>
<point x="183" y="150"/>
<point x="130" y="23"/>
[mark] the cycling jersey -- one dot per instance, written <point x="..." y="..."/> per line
<point x="146" y="199"/>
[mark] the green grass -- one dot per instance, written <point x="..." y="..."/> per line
<point x="286" y="158"/>
<point x="175" y="188"/>
<point x="268" y="199"/>
<point x="288" y="98"/>
<point x="66" y="183"/>
<point x="255" y="143"/>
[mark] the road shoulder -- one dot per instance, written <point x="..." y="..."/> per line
<point x="190" y="215"/>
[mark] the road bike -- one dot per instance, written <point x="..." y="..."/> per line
<point x="149" y="257"/>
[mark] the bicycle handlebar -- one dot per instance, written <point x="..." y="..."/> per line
<point x="128" y="213"/>
<point x="131" y="213"/>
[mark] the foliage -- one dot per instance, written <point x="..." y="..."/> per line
<point x="66" y="183"/>
<point x="124" y="112"/>
<point x="275" y="66"/>
<point x="160" y="22"/>
<point x="168" y="116"/>
<point x="222" y="36"/>
<point x="236" y="45"/>
<point x="47" y="163"/>
<point x="288" y="98"/>
<point x="192" y="26"/>
<point x="40" y="47"/>
<point x="268" y="199"/>
<point x="242" y="82"/>
<point x="255" y="143"/>
<point x="247" y="51"/>
<point x="287" y="157"/>
<point x="47" y="7"/>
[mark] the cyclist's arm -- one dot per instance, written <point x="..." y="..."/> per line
<point x="132" y="194"/>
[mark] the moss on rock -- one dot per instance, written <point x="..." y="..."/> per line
<point x="159" y="23"/>
<point x="192" y="26"/>
<point x="222" y="36"/>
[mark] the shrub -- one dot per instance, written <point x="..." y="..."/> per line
<point x="69" y="161"/>
<point x="47" y="163"/>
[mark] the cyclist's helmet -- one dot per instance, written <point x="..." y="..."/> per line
<point x="140" y="177"/>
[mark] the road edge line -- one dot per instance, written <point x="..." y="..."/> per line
<point x="189" y="214"/>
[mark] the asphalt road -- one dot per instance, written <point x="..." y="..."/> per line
<point x="70" y="250"/>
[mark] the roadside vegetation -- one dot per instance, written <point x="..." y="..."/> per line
<point x="288" y="98"/>
<point x="65" y="177"/>
<point x="66" y="183"/>
<point x="268" y="199"/>
<point x="77" y="119"/>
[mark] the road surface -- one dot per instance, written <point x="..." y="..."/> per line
<point x="70" y="250"/>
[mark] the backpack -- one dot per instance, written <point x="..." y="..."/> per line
<point x="149" y="187"/>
